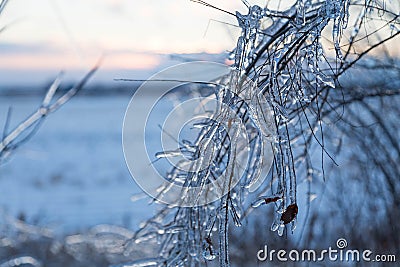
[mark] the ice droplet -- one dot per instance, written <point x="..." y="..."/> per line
<point x="193" y="251"/>
<point x="354" y="32"/>
<point x="274" y="226"/>
<point x="258" y="202"/>
<point x="293" y="226"/>
<point x="312" y="197"/>
<point x="161" y="231"/>
<point x="209" y="255"/>
<point x="280" y="229"/>
<point x="208" y="251"/>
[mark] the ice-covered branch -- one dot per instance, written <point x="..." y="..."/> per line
<point x="28" y="127"/>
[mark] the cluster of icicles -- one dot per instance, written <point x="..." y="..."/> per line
<point x="186" y="233"/>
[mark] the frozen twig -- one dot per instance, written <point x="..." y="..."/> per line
<point x="12" y="140"/>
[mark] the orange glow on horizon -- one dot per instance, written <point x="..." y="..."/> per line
<point x="133" y="61"/>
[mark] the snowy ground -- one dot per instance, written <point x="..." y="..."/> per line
<point x="71" y="174"/>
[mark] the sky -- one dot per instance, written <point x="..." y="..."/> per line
<point x="46" y="36"/>
<point x="40" y="38"/>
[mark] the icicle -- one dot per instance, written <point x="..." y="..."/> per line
<point x="293" y="226"/>
<point x="168" y="154"/>
<point x="256" y="160"/>
<point x="262" y="116"/>
<point x="145" y="237"/>
<point x="336" y="40"/>
<point x="178" y="257"/>
<point x="260" y="201"/>
<point x="274" y="226"/>
<point x="332" y="8"/>
<point x="208" y="250"/>
<point x="239" y="51"/>
<point x="327" y="81"/>
<point x="266" y="200"/>
<point x="223" y="234"/>
<point x="209" y="254"/>
<point x="193" y="250"/>
<point x="281" y="228"/>
<point x="235" y="216"/>
<point x="338" y="11"/>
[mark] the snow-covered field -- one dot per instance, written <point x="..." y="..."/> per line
<point x="72" y="174"/>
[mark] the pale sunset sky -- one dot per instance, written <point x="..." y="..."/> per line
<point x="40" y="38"/>
<point x="45" y="36"/>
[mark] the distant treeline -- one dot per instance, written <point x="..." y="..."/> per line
<point x="89" y="90"/>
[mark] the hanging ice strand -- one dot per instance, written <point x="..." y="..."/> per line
<point x="263" y="116"/>
<point x="338" y="11"/>
<point x="247" y="41"/>
<point x="243" y="56"/>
